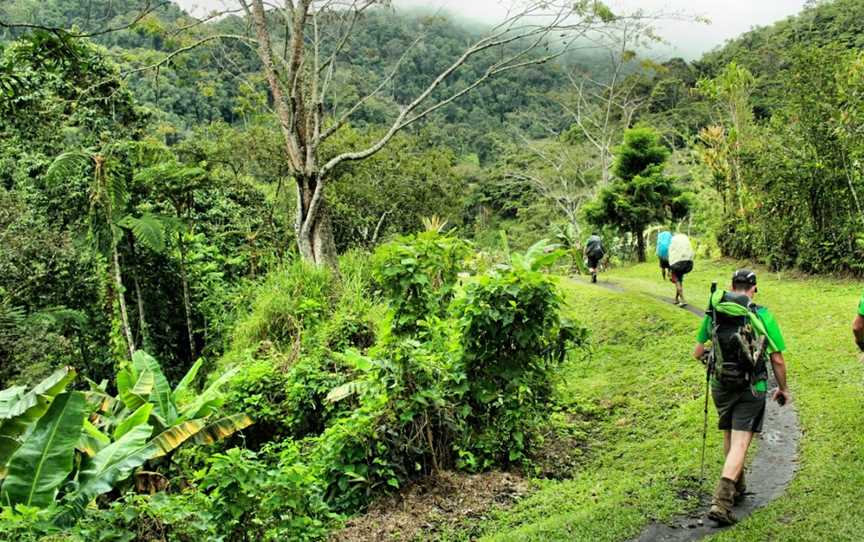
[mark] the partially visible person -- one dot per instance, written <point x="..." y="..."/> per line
<point x="858" y="327"/>
<point x="680" y="263"/>
<point x="744" y="338"/>
<point x="594" y="252"/>
<point x="663" y="240"/>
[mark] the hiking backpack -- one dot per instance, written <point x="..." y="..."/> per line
<point x="595" y="247"/>
<point x="739" y="351"/>
<point x="663" y="241"/>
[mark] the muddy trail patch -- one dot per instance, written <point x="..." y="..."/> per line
<point x="771" y="470"/>
<point x="435" y="504"/>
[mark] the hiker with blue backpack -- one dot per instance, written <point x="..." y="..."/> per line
<point x="680" y="263"/>
<point x="664" y="238"/>
<point x="744" y="337"/>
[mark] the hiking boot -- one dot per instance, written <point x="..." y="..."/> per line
<point x="721" y="506"/>
<point x="593" y="277"/>
<point x="740" y="489"/>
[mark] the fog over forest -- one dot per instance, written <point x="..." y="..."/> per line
<point x="686" y="36"/>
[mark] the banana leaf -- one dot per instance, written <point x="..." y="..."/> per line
<point x="23" y="410"/>
<point x="171" y="438"/>
<point x="162" y="397"/>
<point x="44" y="461"/>
<point x="111" y="465"/>
<point x="137" y="418"/>
<point x="92" y="439"/>
<point x="209" y="400"/>
<point x="185" y="385"/>
<point x="135" y="387"/>
<point x="223" y="428"/>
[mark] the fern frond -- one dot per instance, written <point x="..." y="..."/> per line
<point x="148" y="229"/>
<point x="68" y="164"/>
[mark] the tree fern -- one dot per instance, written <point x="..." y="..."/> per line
<point x="68" y="164"/>
<point x="148" y="230"/>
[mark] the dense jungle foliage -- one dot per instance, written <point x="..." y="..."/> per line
<point x="183" y="374"/>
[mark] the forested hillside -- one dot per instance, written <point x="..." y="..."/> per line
<point x="264" y="270"/>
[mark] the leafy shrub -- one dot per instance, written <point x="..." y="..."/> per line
<point x="253" y="499"/>
<point x="513" y="339"/>
<point x="418" y="275"/>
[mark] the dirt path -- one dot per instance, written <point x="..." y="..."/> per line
<point x="770" y="471"/>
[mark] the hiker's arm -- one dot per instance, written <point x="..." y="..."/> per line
<point x="699" y="351"/>
<point x="779" y="365"/>
<point x="858" y="331"/>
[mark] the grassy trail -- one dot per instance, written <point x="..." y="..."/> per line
<point x="827" y="384"/>
<point x="644" y="393"/>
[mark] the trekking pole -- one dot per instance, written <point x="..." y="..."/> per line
<point x="709" y="366"/>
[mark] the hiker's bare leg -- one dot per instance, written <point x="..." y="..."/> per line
<point x="739" y="442"/>
<point x="679" y="291"/>
<point x="727" y="442"/>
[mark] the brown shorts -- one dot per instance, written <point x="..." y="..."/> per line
<point x="738" y="408"/>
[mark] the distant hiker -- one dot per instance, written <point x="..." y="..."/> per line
<point x="594" y="252"/>
<point x="858" y="326"/>
<point x="663" y="240"/>
<point x="680" y="263"/>
<point x="744" y="337"/>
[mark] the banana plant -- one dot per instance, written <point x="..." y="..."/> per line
<point x="178" y="415"/>
<point x="20" y="409"/>
<point x="42" y="430"/>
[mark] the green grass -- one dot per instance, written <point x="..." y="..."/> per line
<point x="644" y="394"/>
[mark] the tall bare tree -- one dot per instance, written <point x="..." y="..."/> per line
<point x="316" y="34"/>
<point x="602" y="105"/>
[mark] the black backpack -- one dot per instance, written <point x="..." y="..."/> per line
<point x="595" y="247"/>
<point x="739" y="354"/>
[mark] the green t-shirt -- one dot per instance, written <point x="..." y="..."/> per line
<point x="776" y="343"/>
<point x="861" y="306"/>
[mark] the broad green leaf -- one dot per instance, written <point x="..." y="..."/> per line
<point x="139" y="417"/>
<point x="45" y="459"/>
<point x="207" y="401"/>
<point x="173" y="437"/>
<point x="92" y="439"/>
<point x="161" y="396"/>
<point x="133" y="396"/>
<point x="223" y="428"/>
<point x="16" y="403"/>
<point x="112" y="464"/>
<point x="186" y="382"/>
<point x="21" y="415"/>
<point x="9" y="397"/>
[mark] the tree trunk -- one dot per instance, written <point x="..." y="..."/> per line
<point x="143" y="337"/>
<point x="314" y="230"/>
<point x="121" y="299"/>
<point x="187" y="305"/>
<point x="640" y="245"/>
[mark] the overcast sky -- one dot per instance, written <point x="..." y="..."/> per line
<point x="729" y="18"/>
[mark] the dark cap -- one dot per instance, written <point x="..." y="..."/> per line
<point x="744" y="276"/>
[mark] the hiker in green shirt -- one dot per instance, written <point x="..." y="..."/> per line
<point x="744" y="337"/>
<point x="858" y="326"/>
